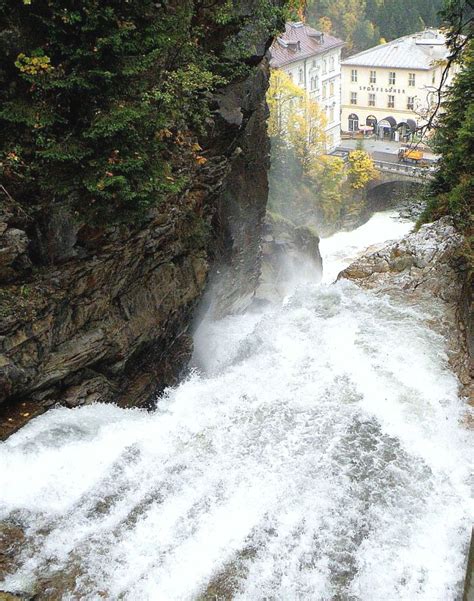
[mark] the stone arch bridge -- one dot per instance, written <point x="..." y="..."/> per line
<point x="401" y="172"/>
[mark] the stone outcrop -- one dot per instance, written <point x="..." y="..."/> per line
<point x="425" y="267"/>
<point x="289" y="252"/>
<point x="104" y="314"/>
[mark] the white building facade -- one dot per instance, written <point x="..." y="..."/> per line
<point x="393" y="87"/>
<point x="313" y="61"/>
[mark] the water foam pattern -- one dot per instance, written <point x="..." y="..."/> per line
<point x="316" y="454"/>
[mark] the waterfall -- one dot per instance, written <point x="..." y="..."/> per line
<point x="315" y="451"/>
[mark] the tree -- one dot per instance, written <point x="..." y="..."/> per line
<point x="282" y="96"/>
<point x="306" y="131"/>
<point x="99" y="100"/>
<point x="452" y="191"/>
<point x="361" y="170"/>
<point x="361" y="23"/>
<point x="295" y="121"/>
<point x="327" y="176"/>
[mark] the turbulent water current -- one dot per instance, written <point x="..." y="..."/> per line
<point x="315" y="452"/>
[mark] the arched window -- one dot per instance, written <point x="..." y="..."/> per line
<point x="300" y="76"/>
<point x="312" y="83"/>
<point x="353" y="122"/>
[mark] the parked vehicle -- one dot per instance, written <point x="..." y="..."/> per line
<point x="409" y="155"/>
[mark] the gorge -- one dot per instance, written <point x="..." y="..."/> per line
<point x="315" y="450"/>
<point x="209" y="402"/>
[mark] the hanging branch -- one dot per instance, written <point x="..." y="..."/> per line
<point x="458" y="38"/>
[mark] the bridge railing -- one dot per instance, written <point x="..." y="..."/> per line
<point x="407" y="170"/>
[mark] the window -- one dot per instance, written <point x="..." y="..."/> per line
<point x="325" y="66"/>
<point x="354" y="75"/>
<point x="331" y="89"/>
<point x="411" y="103"/>
<point x="290" y="76"/>
<point x="373" y="77"/>
<point x="391" y="101"/>
<point x="353" y="122"/>
<point x="331" y="114"/>
<point x="331" y="64"/>
<point x="300" y="76"/>
<point x="391" y="78"/>
<point x="314" y="64"/>
<point x="371" y="99"/>
<point x="353" y="97"/>
<point x="325" y="89"/>
<point x="411" y="79"/>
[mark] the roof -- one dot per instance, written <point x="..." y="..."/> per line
<point x="299" y="42"/>
<point x="416" y="51"/>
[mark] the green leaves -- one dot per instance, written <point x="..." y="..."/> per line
<point x="88" y="88"/>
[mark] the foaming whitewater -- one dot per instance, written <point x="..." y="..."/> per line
<point x="317" y="454"/>
<point x="339" y="250"/>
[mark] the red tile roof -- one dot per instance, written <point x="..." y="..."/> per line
<point x="299" y="42"/>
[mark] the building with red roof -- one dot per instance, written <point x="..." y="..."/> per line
<point x="313" y="61"/>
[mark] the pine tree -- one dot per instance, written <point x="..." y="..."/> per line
<point x="94" y="95"/>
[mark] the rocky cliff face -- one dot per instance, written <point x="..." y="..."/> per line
<point x="106" y="318"/>
<point x="426" y="270"/>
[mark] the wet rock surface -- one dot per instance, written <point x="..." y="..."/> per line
<point x="425" y="269"/>
<point x="287" y="250"/>
<point x="104" y="312"/>
<point x="12" y="538"/>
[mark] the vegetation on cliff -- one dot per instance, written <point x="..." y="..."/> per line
<point x="97" y="98"/>
<point x="452" y="191"/>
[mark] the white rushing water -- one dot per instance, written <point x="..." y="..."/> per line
<point x="339" y="250"/>
<point x="317" y="454"/>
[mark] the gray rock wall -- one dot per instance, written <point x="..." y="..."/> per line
<point x="104" y="315"/>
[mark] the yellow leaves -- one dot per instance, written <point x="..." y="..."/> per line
<point x="361" y="170"/>
<point x="325" y="24"/>
<point x="200" y="160"/>
<point x="164" y="134"/>
<point x="33" y="65"/>
<point x="294" y="117"/>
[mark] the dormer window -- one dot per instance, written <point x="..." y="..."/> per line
<point x="318" y="36"/>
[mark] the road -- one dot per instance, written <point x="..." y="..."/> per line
<point x="381" y="150"/>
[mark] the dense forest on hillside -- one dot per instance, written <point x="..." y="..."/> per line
<point x="363" y="23"/>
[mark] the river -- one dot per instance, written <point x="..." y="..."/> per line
<point x="315" y="452"/>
